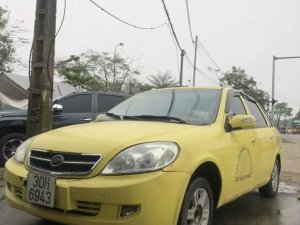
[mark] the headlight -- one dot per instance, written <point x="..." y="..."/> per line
<point x="21" y="151"/>
<point x="143" y="158"/>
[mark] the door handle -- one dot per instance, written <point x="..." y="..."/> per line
<point x="86" y="119"/>
<point x="253" y="140"/>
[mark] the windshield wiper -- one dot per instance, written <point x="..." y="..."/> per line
<point x="168" y="118"/>
<point x="112" y="115"/>
<point x="120" y="117"/>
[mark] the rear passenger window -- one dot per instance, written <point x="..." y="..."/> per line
<point x="236" y="106"/>
<point x="106" y="102"/>
<point x="77" y="104"/>
<point x="256" y="112"/>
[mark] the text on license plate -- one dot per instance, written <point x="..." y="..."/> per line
<point x="41" y="189"/>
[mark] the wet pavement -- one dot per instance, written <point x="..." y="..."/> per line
<point x="295" y="138"/>
<point x="250" y="209"/>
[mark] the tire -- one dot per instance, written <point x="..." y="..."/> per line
<point x="8" y="145"/>
<point x="270" y="190"/>
<point x="198" y="204"/>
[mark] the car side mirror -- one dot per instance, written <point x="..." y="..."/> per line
<point x="57" y="109"/>
<point x="242" y="122"/>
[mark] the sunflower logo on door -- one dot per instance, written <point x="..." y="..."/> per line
<point x="244" y="166"/>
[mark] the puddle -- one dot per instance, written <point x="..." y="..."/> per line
<point x="287" y="189"/>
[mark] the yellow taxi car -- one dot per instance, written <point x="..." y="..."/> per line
<point x="162" y="157"/>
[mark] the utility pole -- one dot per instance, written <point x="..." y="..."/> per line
<point x="39" y="118"/>
<point x="273" y="101"/>
<point x="195" y="58"/>
<point x="114" y="78"/>
<point x="181" y="67"/>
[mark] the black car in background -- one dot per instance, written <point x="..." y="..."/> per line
<point x="71" y="109"/>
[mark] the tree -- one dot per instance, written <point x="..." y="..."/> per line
<point x="282" y="110"/>
<point x="238" y="79"/>
<point x="75" y="72"/>
<point x="133" y="86"/>
<point x="162" y="80"/>
<point x="7" y="48"/>
<point x="113" y="71"/>
<point x="97" y="71"/>
<point x="297" y="117"/>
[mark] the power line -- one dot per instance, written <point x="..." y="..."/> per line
<point x="189" y="20"/>
<point x="52" y="43"/>
<point x="209" y="56"/>
<point x="200" y="71"/>
<point x="170" y="22"/>
<point x="123" y="21"/>
<point x="176" y="49"/>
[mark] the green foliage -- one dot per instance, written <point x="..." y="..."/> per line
<point x="282" y="110"/>
<point x="162" y="80"/>
<point x="238" y="79"/>
<point x="97" y="71"/>
<point x="75" y="72"/>
<point x="7" y="48"/>
<point x="297" y="117"/>
<point x="133" y="86"/>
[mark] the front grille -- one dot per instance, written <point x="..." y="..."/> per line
<point x="69" y="164"/>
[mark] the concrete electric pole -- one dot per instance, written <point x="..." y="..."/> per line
<point x="42" y="66"/>
<point x="181" y="67"/>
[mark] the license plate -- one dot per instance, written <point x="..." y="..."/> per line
<point x="41" y="189"/>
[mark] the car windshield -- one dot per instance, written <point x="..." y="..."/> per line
<point x="191" y="106"/>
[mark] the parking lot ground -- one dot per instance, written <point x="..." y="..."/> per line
<point x="251" y="209"/>
<point x="295" y="138"/>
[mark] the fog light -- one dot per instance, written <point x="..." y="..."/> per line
<point x="128" y="210"/>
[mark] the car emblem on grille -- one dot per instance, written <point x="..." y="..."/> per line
<point x="56" y="160"/>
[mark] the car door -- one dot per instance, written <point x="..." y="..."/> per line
<point x="264" y="142"/>
<point x="239" y="155"/>
<point x="77" y="108"/>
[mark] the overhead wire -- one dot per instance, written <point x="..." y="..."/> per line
<point x="171" y="25"/>
<point x="50" y="49"/>
<point x="209" y="56"/>
<point x="176" y="47"/>
<point x="201" y="45"/>
<point x="201" y="72"/>
<point x="123" y="21"/>
<point x="189" y="20"/>
<point x="52" y="43"/>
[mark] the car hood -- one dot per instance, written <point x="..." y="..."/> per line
<point x="111" y="137"/>
<point x="106" y="137"/>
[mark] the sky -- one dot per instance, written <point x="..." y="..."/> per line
<point x="245" y="33"/>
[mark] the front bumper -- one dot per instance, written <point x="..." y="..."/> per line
<point x="99" y="200"/>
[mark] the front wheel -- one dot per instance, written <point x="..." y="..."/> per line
<point x="8" y="145"/>
<point x="271" y="188"/>
<point x="197" y="207"/>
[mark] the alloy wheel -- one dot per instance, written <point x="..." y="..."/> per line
<point x="199" y="208"/>
<point x="10" y="147"/>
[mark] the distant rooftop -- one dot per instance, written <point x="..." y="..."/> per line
<point x="59" y="89"/>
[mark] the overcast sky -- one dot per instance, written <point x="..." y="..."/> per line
<point x="245" y="33"/>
